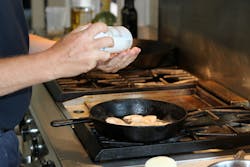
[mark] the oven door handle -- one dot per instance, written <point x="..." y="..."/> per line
<point x="66" y="122"/>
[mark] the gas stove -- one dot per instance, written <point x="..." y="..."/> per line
<point x="217" y="119"/>
<point x="67" y="149"/>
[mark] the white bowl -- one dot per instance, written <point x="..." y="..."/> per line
<point x="161" y="161"/>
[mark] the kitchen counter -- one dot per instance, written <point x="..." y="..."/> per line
<point x="66" y="150"/>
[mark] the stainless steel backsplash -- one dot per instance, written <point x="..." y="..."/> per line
<point x="214" y="38"/>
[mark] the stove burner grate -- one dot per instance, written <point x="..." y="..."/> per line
<point x="195" y="136"/>
<point x="97" y="82"/>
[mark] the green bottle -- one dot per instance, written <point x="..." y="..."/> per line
<point x="129" y="17"/>
<point x="105" y="15"/>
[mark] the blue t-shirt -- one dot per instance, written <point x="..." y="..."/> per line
<point x="13" y="41"/>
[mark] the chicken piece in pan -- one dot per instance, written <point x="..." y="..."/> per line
<point x="133" y="118"/>
<point x="137" y="120"/>
<point x="114" y="120"/>
<point x="150" y="118"/>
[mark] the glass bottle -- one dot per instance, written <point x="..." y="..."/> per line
<point x="129" y="17"/>
<point x="105" y="15"/>
<point x="81" y="13"/>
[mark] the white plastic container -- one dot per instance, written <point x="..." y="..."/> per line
<point x="122" y="37"/>
<point x="161" y="161"/>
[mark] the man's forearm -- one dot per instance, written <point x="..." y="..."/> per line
<point x="38" y="44"/>
<point x="26" y="70"/>
<point x="78" y="52"/>
<point x="22" y="71"/>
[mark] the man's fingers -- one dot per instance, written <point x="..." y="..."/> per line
<point x="81" y="28"/>
<point x="119" y="61"/>
<point x="96" y="28"/>
<point x="102" y="56"/>
<point x="132" y="52"/>
<point x="104" y="42"/>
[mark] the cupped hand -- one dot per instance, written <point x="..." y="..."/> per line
<point x="119" y="61"/>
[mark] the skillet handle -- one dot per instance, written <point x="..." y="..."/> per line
<point x="66" y="122"/>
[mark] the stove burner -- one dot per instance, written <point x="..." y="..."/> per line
<point x="97" y="82"/>
<point x="201" y="131"/>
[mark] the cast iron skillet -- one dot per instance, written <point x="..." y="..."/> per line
<point x="119" y="108"/>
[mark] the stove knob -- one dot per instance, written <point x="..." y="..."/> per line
<point x="33" y="131"/>
<point x="30" y="131"/>
<point x="23" y="132"/>
<point x="35" y="147"/>
<point x="26" y="132"/>
<point x="38" y="148"/>
<point x="48" y="163"/>
<point x="26" y="121"/>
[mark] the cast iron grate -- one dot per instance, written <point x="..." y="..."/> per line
<point x="217" y="128"/>
<point x="97" y="82"/>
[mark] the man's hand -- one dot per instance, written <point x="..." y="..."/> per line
<point x="79" y="51"/>
<point x="119" y="61"/>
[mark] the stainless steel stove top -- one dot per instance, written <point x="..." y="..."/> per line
<point x="73" y="98"/>
<point x="68" y="149"/>
<point x="207" y="103"/>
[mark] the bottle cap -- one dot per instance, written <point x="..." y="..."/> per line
<point x="81" y="3"/>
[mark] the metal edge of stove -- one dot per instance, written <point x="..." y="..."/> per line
<point x="51" y="154"/>
<point x="63" y="144"/>
<point x="187" y="160"/>
<point x="223" y="93"/>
